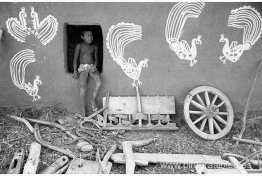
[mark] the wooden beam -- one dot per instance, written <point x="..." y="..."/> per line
<point x="172" y="158"/>
<point x="33" y="159"/>
<point x="129" y="157"/>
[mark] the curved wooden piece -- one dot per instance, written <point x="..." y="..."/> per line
<point x="208" y="112"/>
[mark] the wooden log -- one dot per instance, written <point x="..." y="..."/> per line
<point x="140" y="143"/>
<point x="172" y="158"/>
<point x="56" y="165"/>
<point x="129" y="157"/>
<point x="29" y="126"/>
<point x="17" y="162"/>
<point x="33" y="159"/>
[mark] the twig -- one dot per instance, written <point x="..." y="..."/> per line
<point x="45" y="144"/>
<point x="248" y="100"/>
<point x="54" y="125"/>
<point x="247" y="141"/>
<point x="22" y="120"/>
<point x="95" y="113"/>
<point x="17" y="138"/>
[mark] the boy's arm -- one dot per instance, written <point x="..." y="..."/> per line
<point x="75" y="57"/>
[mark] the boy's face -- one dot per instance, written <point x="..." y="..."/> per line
<point x="87" y="37"/>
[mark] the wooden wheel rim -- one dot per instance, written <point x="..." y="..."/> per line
<point x="208" y="112"/>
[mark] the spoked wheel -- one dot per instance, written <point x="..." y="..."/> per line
<point x="208" y="112"/>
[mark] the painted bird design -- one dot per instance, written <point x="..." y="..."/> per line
<point x="184" y="51"/>
<point x="117" y="38"/>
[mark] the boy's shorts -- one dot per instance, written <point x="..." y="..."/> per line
<point x="85" y="67"/>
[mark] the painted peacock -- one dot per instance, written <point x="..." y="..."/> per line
<point x="117" y="38"/>
<point x="174" y="26"/>
<point x="248" y="19"/>
<point x="17" y="70"/>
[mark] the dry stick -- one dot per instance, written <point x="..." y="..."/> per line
<point x="22" y="120"/>
<point x="16" y="138"/>
<point x="54" y="125"/>
<point x="95" y="113"/>
<point x="104" y="163"/>
<point x="247" y="141"/>
<point x="45" y="144"/>
<point x="248" y="100"/>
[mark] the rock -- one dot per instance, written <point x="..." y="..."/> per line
<point x="84" y="146"/>
<point x="87" y="148"/>
<point x="121" y="131"/>
<point x="61" y="121"/>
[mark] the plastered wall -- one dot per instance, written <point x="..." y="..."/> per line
<point x="165" y="74"/>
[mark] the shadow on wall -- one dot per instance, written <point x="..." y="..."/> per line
<point x="74" y="37"/>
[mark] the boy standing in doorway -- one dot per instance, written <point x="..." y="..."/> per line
<point x="87" y="53"/>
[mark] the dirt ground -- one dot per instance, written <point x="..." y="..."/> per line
<point x="15" y="135"/>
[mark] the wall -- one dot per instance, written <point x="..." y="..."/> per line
<point x="166" y="74"/>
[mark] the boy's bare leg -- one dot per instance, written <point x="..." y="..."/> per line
<point x="97" y="79"/>
<point x="83" y="79"/>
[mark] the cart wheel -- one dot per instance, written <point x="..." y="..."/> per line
<point x="208" y="112"/>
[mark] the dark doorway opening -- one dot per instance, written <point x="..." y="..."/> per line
<point x="74" y="37"/>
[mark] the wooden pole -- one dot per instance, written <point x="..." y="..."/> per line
<point x="248" y="100"/>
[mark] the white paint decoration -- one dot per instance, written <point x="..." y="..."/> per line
<point x="117" y="38"/>
<point x="17" y="70"/>
<point x="18" y="29"/>
<point x="174" y="27"/>
<point x="45" y="31"/>
<point x="248" y="19"/>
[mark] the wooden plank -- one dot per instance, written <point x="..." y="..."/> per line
<point x="129" y="157"/>
<point x="33" y="159"/>
<point x="170" y="126"/>
<point x="82" y="166"/>
<point x="58" y="164"/>
<point x="17" y="162"/>
<point x="237" y="165"/>
<point x="150" y="104"/>
<point x="105" y="113"/>
<point x="173" y="158"/>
